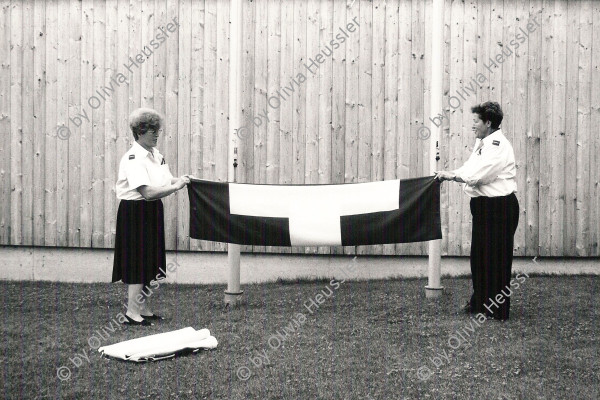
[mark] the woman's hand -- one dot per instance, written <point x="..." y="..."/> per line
<point x="182" y="181"/>
<point x="444" y="176"/>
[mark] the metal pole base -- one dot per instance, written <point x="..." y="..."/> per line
<point x="233" y="299"/>
<point x="433" y="292"/>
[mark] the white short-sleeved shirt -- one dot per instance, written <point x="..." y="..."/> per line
<point x="140" y="167"/>
<point x="490" y="170"/>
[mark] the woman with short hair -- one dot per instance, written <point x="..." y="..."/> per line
<point x="144" y="178"/>
<point x="489" y="178"/>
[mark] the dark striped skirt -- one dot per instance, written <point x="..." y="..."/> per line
<point x="140" y="242"/>
<point x="495" y="221"/>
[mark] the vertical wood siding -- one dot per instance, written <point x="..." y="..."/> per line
<point x="71" y="72"/>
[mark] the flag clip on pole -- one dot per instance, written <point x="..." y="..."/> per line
<point x="434" y="288"/>
<point x="233" y="294"/>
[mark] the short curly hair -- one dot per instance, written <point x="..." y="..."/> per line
<point x="142" y="120"/>
<point x="489" y="111"/>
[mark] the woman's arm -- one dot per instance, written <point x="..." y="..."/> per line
<point x="457" y="178"/>
<point x="158" y="192"/>
<point x="448" y="176"/>
<point x="174" y="180"/>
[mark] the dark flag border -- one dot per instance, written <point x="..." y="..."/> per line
<point x="416" y="220"/>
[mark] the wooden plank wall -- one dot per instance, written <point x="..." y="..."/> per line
<point x="352" y="118"/>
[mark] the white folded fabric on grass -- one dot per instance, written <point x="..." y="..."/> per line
<point x="160" y="346"/>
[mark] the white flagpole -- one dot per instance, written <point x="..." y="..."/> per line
<point x="233" y="294"/>
<point x="434" y="288"/>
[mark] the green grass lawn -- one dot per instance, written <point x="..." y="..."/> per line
<point x="369" y="340"/>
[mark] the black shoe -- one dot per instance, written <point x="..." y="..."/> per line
<point x="496" y="318"/>
<point x="153" y="317"/>
<point x="467" y="309"/>
<point x="131" y="321"/>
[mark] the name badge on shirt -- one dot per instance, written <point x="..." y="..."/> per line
<point x="496" y="143"/>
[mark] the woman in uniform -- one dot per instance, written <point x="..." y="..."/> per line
<point x="144" y="178"/>
<point x="489" y="178"/>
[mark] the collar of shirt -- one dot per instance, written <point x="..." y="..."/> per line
<point x="488" y="140"/>
<point x="141" y="152"/>
<point x="492" y="136"/>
